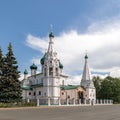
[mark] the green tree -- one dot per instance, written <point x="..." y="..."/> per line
<point x="97" y="82"/>
<point x="1" y="63"/>
<point x="110" y="89"/>
<point x="1" y="70"/>
<point x="11" y="87"/>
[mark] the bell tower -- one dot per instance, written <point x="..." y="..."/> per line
<point x="51" y="69"/>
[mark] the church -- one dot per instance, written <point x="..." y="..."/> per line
<point x="51" y="84"/>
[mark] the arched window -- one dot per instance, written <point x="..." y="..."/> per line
<point x="50" y="71"/>
<point x="29" y="93"/>
<point x="63" y="82"/>
<point x="39" y="92"/>
<point x="45" y="72"/>
<point x="56" y="71"/>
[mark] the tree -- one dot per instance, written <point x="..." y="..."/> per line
<point x="1" y="69"/>
<point x="110" y="89"/>
<point x="1" y="63"/>
<point x="107" y="88"/>
<point x="11" y="87"/>
<point x="97" y="82"/>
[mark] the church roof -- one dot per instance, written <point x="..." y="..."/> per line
<point x="68" y="87"/>
<point x="32" y="86"/>
<point x="37" y="85"/>
<point x="26" y="87"/>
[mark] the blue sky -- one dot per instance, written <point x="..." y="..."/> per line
<point x="21" y="20"/>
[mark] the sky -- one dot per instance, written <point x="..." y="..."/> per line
<point x="78" y="25"/>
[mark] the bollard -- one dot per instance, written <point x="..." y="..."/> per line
<point x="28" y="100"/>
<point x="48" y="101"/>
<point x="59" y="101"/>
<point x="38" y="102"/>
<point x="67" y="101"/>
<point x="85" y="101"/>
<point x="80" y="101"/>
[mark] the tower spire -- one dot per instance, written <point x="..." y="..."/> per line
<point x="51" y="35"/>
<point x="86" y="78"/>
<point x="86" y="73"/>
<point x="87" y="82"/>
<point x="51" y="43"/>
<point x="51" y="28"/>
<point x="86" y="56"/>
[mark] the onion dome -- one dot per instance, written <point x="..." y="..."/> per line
<point x="51" y="35"/>
<point x="43" y="59"/>
<point x="33" y="66"/>
<point x="86" y="57"/>
<point x="25" y="72"/>
<point x="60" y="65"/>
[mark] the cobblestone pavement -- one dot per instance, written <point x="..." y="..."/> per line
<point x="108" y="112"/>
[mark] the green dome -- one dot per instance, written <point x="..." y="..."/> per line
<point x="43" y="59"/>
<point x="86" y="57"/>
<point x="60" y="65"/>
<point x="51" y="35"/>
<point x="33" y="66"/>
<point x="25" y="72"/>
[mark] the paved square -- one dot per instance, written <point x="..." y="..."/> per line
<point x="110" y="112"/>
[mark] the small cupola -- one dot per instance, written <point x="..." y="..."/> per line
<point x="33" y="67"/>
<point x="25" y="72"/>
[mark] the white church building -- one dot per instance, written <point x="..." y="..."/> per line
<point x="50" y="84"/>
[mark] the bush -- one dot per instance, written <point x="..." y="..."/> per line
<point x="20" y="104"/>
<point x="6" y="105"/>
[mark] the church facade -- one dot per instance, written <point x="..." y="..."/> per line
<point x="51" y="83"/>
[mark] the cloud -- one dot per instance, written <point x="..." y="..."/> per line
<point x="101" y="40"/>
<point x="36" y="43"/>
<point x="74" y="80"/>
